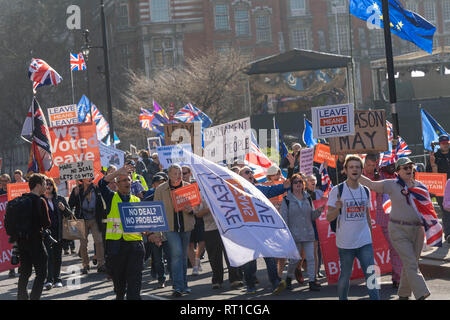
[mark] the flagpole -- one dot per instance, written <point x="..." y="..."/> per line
<point x="390" y="68"/>
<point x="73" y="92"/>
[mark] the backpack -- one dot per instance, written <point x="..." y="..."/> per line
<point x="333" y="224"/>
<point x="18" y="217"/>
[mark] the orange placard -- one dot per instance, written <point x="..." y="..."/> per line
<point x="435" y="182"/>
<point x="74" y="143"/>
<point x="244" y="202"/>
<point x="323" y="154"/>
<point x="183" y="196"/>
<point x="17" y="189"/>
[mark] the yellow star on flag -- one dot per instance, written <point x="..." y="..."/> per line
<point x="399" y="25"/>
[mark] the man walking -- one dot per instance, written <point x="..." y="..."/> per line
<point x="349" y="203"/>
<point x="124" y="251"/>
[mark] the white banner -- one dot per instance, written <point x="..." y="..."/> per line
<point x="175" y="153"/>
<point x="227" y="141"/>
<point x="248" y="223"/>
<point x="333" y="121"/>
<point x="306" y="161"/>
<point x="111" y="156"/>
<point x="76" y="170"/>
<point x="63" y="116"/>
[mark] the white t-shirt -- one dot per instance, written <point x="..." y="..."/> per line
<point x="352" y="230"/>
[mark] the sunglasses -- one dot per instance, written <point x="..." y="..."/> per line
<point x="185" y="173"/>
<point x="407" y="167"/>
<point x="248" y="172"/>
<point x="297" y="182"/>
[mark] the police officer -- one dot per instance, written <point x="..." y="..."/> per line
<point x="124" y="251"/>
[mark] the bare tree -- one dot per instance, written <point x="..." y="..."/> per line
<point x="212" y="82"/>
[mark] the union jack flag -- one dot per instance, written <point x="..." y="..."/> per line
<point x="327" y="185"/>
<point x="421" y="202"/>
<point x="152" y="121"/>
<point x="257" y="161"/>
<point x="77" y="62"/>
<point x="41" y="74"/>
<point x="190" y="113"/>
<point x="100" y="122"/>
<point x="35" y="131"/>
<point x="387" y="204"/>
<point x="391" y="157"/>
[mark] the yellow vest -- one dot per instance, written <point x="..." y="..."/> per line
<point x="114" y="230"/>
<point x="141" y="180"/>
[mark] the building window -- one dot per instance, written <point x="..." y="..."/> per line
<point x="163" y="51"/>
<point x="242" y="22"/>
<point x="322" y="41"/>
<point x="446" y="15"/>
<point x="300" y="39"/>
<point x="362" y="38"/>
<point x="339" y="6"/>
<point x="123" y="15"/>
<point x="159" y="10"/>
<point x="377" y="39"/>
<point x="221" y="17"/>
<point x="124" y="56"/>
<point x="429" y="11"/>
<point x="263" y="29"/>
<point x="298" y="7"/>
<point x="223" y="47"/>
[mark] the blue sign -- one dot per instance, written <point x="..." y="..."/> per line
<point x="143" y="216"/>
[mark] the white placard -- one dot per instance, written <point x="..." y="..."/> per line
<point x="333" y="121"/>
<point x="153" y="143"/>
<point x="111" y="156"/>
<point x="63" y="116"/>
<point x="76" y="170"/>
<point x="174" y="154"/>
<point x="306" y="161"/>
<point x="227" y="141"/>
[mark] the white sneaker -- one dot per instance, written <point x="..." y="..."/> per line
<point x="58" y="284"/>
<point x="195" y="271"/>
<point x="48" y="285"/>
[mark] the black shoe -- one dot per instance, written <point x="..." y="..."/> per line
<point x="395" y="284"/>
<point x="176" y="294"/>
<point x="85" y="270"/>
<point x="314" y="286"/>
<point x="320" y="275"/>
<point x="161" y="284"/>
<point x="66" y="252"/>
<point x="94" y="262"/>
<point x="101" y="269"/>
<point x="289" y="283"/>
<point x="403" y="298"/>
<point x="12" y="274"/>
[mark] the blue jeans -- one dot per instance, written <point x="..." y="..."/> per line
<point x="366" y="259"/>
<point x="250" y="272"/>
<point x="178" y="248"/>
<point x="157" y="259"/>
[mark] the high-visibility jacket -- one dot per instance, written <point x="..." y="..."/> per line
<point x="114" y="230"/>
<point x="137" y="177"/>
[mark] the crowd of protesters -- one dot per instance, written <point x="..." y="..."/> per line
<point x="193" y="233"/>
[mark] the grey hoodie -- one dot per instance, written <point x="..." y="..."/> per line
<point x="299" y="218"/>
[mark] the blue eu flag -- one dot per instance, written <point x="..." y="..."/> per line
<point x="406" y="24"/>
<point x="431" y="130"/>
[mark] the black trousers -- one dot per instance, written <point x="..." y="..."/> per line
<point x="215" y="250"/>
<point x="32" y="254"/>
<point x="125" y="261"/>
<point x="54" y="262"/>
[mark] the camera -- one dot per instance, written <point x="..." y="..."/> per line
<point x="47" y="237"/>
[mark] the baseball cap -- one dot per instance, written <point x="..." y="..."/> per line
<point x="443" y="138"/>
<point x="131" y="162"/>
<point x="273" y="169"/>
<point x="402" y="162"/>
<point x="158" y="178"/>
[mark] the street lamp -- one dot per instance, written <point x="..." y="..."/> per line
<point x="85" y="51"/>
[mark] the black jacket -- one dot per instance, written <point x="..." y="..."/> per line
<point x="58" y="215"/>
<point x="442" y="162"/>
<point x="75" y="201"/>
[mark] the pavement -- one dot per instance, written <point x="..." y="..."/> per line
<point x="95" y="286"/>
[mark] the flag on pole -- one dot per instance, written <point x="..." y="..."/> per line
<point x="405" y="24"/>
<point x="257" y="160"/>
<point x="85" y="116"/>
<point x="152" y="121"/>
<point x="190" y="113"/>
<point x="41" y="74"/>
<point x="108" y="140"/>
<point x="327" y="185"/>
<point x="390" y="157"/>
<point x="158" y="109"/>
<point x="35" y="131"/>
<point x="431" y="130"/>
<point x="280" y="146"/>
<point x="77" y="62"/>
<point x="307" y="135"/>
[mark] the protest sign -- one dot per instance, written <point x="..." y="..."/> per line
<point x="248" y="223"/>
<point x="153" y="143"/>
<point x="330" y="253"/>
<point x="63" y="116"/>
<point x="5" y="246"/>
<point x="187" y="195"/>
<point x="133" y="149"/>
<point x="111" y="156"/>
<point x="435" y="182"/>
<point x="184" y="133"/>
<point x="174" y="154"/>
<point x="74" y="143"/>
<point x="143" y="216"/>
<point x="370" y="135"/>
<point x="76" y="170"/>
<point x="227" y="141"/>
<point x="306" y="160"/>
<point x="17" y="189"/>
<point x="333" y="121"/>
<point x="323" y="154"/>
